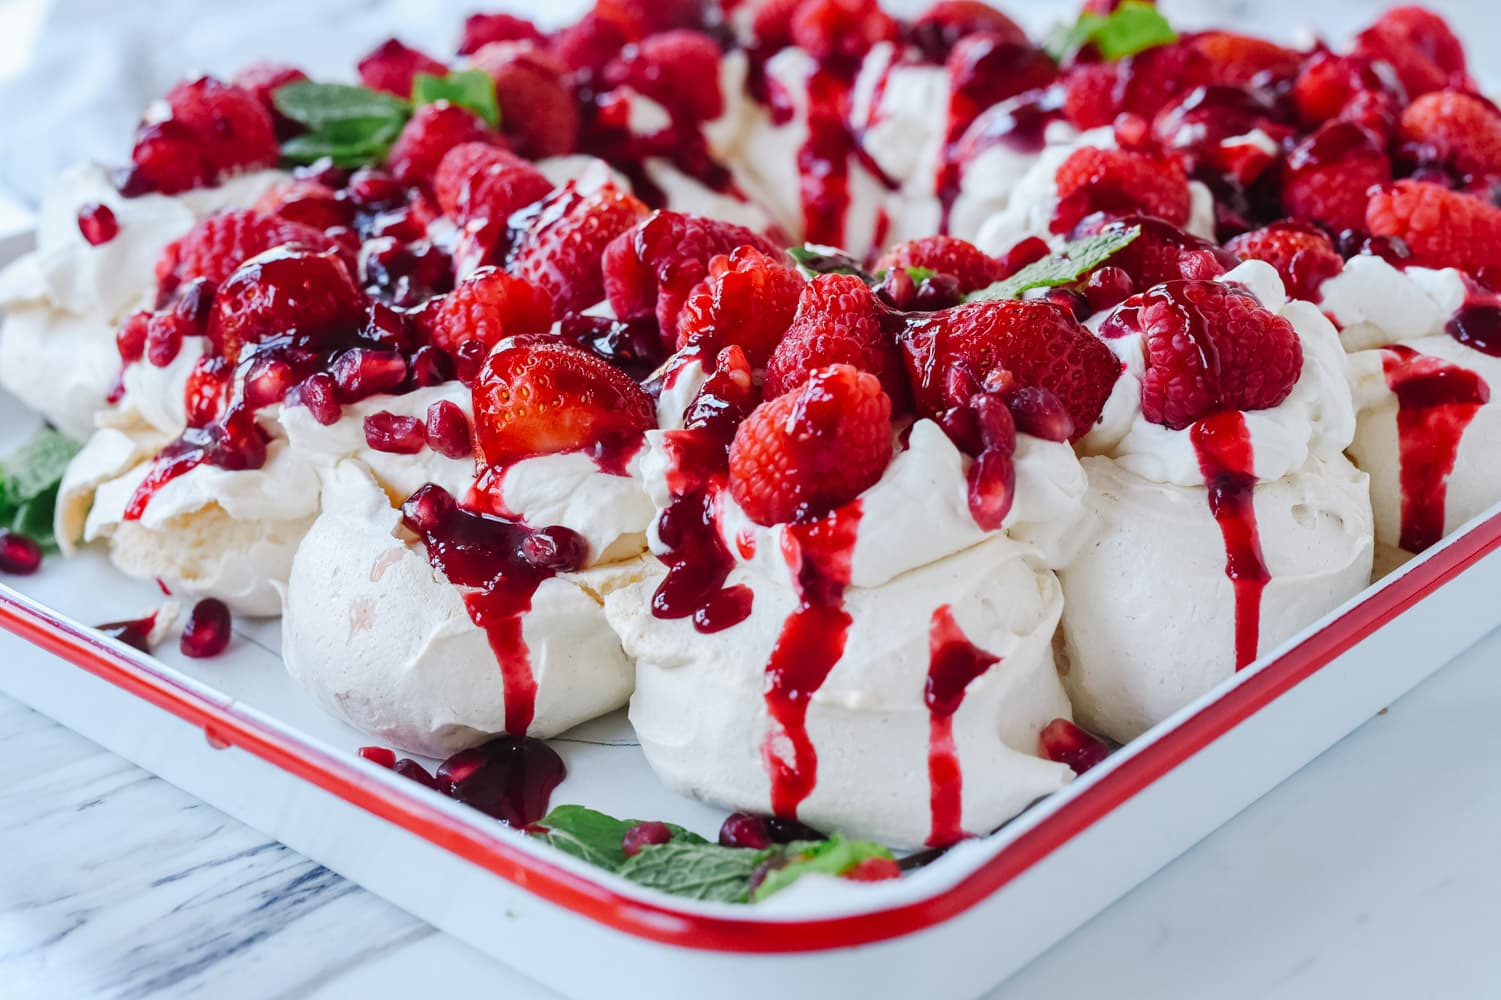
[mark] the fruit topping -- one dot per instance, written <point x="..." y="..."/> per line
<point x="560" y="248"/>
<point x="838" y="321"/>
<point x="212" y="129"/>
<point x="1065" y="743"/>
<point x="1302" y="255"/>
<point x="487" y="306"/>
<point x="1441" y="228"/>
<point x="966" y="263"/>
<point x="207" y="632"/>
<point x="1119" y="182"/>
<point x="392" y="67"/>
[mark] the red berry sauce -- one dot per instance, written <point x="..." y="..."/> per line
<point x="1223" y="446"/>
<point x="1436" y="401"/>
<point x="953" y="663"/>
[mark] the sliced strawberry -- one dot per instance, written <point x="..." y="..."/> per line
<point x="1441" y="228"/>
<point x="949" y="354"/>
<point x="1456" y="131"/>
<point x="213" y="129"/>
<point x="652" y="267"/>
<point x="477" y="180"/>
<point x="433" y="130"/>
<point x="1209" y="347"/>
<point x="562" y="248"/>
<point x="969" y="265"/>
<point x="1302" y="255"/>
<point x="805" y="453"/>
<point x="540" y="396"/>
<point x="392" y="67"/>
<point x="1119" y="182"/>
<point x="1329" y="176"/>
<point x="1240" y="60"/>
<point x="304" y="294"/>
<point x="838" y="321"/>
<point x="487" y="306"/>
<point x="221" y="242"/>
<point x="307" y="202"/>
<point x="538" y="113"/>
<point x="748" y="299"/>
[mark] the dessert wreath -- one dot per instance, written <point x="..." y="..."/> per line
<point x="897" y="414"/>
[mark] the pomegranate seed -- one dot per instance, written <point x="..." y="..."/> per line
<point x="359" y="373"/>
<point x="237" y="442"/>
<point x="644" y="835"/>
<point x="97" y="223"/>
<point x="745" y="830"/>
<point x="874" y="870"/>
<point x="1041" y="414"/>
<point x="471" y="358"/>
<point x="207" y="631"/>
<point x="268" y="382"/>
<point x="130" y="341"/>
<point x="785" y="831"/>
<point x="992" y="486"/>
<point x="374" y="190"/>
<point x="388" y="432"/>
<point x="448" y="430"/>
<point x="387" y="329"/>
<point x="1028" y="251"/>
<point x="1069" y="301"/>
<point x="382" y="756"/>
<point x="194" y="303"/>
<point x="19" y="555"/>
<point x="559" y="549"/>
<point x="409" y="768"/>
<point x="997" y="427"/>
<point x="897" y="289"/>
<point x="164" y="333"/>
<point x="1108" y="287"/>
<point x="427" y="510"/>
<point x="319" y="394"/>
<point x="432" y="366"/>
<point x="938" y="292"/>
<point x="963" y="428"/>
<point x="1065" y="743"/>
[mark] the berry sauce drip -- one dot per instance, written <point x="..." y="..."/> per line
<point x="235" y="443"/>
<point x="1223" y="446"/>
<point x="953" y="663"/>
<point x="811" y="642"/>
<point x="499" y="571"/>
<point x="1477" y="323"/>
<point x="135" y="633"/>
<point x="1435" y="403"/>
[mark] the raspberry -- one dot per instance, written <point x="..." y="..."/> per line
<point x="392" y="67"/>
<point x="304" y="293"/>
<point x="655" y="265"/>
<point x="476" y="180"/>
<point x="1328" y="176"/>
<point x="1209" y="347"/>
<point x="971" y="266"/>
<point x="1119" y="182"/>
<point x="562" y="251"/>
<point x="1089" y="99"/>
<point x="1454" y="130"/>
<point x="1419" y="45"/>
<point x="588" y="44"/>
<point x="1303" y="255"/>
<point x="1240" y="60"/>
<point x="841" y="31"/>
<point x="538" y="113"/>
<point x="1441" y="228"/>
<point x="678" y="69"/>
<point x="263" y="79"/>
<point x="803" y="454"/>
<point x="771" y="24"/>
<point x="487" y="306"/>
<point x="483" y="29"/>
<point x="1329" y="83"/>
<point x="310" y="203"/>
<point x="222" y="242"/>
<point x="538" y="396"/>
<point x="949" y="353"/>
<point x="945" y="23"/>
<point x="657" y="16"/>
<point x="427" y="138"/>
<point x="1161" y="253"/>
<point x="838" y="322"/>
<point x="748" y="299"/>
<point x="214" y="128"/>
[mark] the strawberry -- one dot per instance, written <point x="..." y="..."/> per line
<point x="483" y="29"/>
<point x="1328" y="83"/>
<point x="748" y="299"/>
<point x="972" y="267"/>
<point x="948" y="353"/>
<point x="1240" y="60"/>
<point x="1419" y="45"/>
<point x="1328" y="176"/>
<point x="562" y="249"/>
<point x="1302" y="254"/>
<point x="1161" y="253"/>
<point x="540" y="396"/>
<point x="433" y="130"/>
<point x="222" y="242"/>
<point x="1454" y="130"/>
<point x="538" y="113"/>
<point x="264" y="79"/>
<point x="311" y="203"/>
<point x="1065" y="743"/>
<point x="392" y="67"/>
<point x="487" y="306"/>
<point x="1441" y="228"/>
<point x="841" y="31"/>
<point x="476" y="180"/>
<point x="588" y="44"/>
<point x="805" y="453"/>
<point x="1209" y="347"/>
<point x="838" y="321"/>
<point x="945" y="23"/>
<point x="287" y="291"/>
<point x="654" y="265"/>
<point x="1119" y="182"/>
<point x="677" y="69"/>
<point x="213" y="129"/>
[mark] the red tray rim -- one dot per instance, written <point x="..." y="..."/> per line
<point x="666" y="924"/>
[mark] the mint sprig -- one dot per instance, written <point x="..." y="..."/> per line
<point x="1062" y="268"/>
<point x="1133" y="27"/>
<point x="353" y="125"/>
<point x="29" y="479"/>
<point x="690" y="866"/>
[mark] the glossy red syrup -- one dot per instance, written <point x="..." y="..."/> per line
<point x="1436" y="401"/>
<point x="953" y="663"/>
<point x="234" y="442"/>
<point x="487" y="558"/>
<point x="1223" y="446"/>
<point x="811" y="642"/>
<point x="1477" y="324"/>
<point x="511" y="778"/>
<point x="135" y="632"/>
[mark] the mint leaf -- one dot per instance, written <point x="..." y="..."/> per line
<point x="351" y="143"/>
<point x="834" y="856"/>
<point x="1067" y="266"/>
<point x="317" y="105"/>
<point x="473" y="89"/>
<point x="1132" y="27"/>
<point x="29" y="478"/>
<point x="595" y="837"/>
<point x="705" y="872"/>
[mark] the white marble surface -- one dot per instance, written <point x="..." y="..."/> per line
<point x="1371" y="873"/>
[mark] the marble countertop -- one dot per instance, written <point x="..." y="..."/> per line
<point x="1370" y="873"/>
